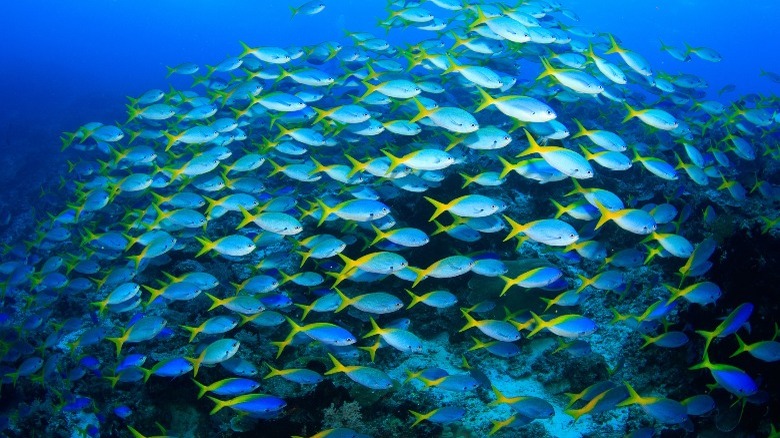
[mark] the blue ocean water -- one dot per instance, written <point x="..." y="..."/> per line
<point x="69" y="63"/>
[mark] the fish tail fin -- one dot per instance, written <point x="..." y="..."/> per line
<point x="120" y="341"/>
<point x="272" y="372"/>
<point x="321" y="114"/>
<point x="304" y="256"/>
<point x="349" y="265"/>
<point x="560" y="210"/>
<point x="345" y="301"/>
<point x="113" y="379"/>
<point x="742" y="346"/>
<point x="675" y="293"/>
<point x="422" y="113"/>
<point x="418" y="418"/>
<point x="498" y="425"/>
<point x="338" y="367"/>
<point x="500" y="398"/>
<point x="439" y="228"/>
<point x="614" y="47"/>
<point x="481" y="18"/>
<point x="375" y="329"/>
<point x="631" y="112"/>
<point x="416" y="299"/>
<point x="370" y="88"/>
<point x="549" y="301"/>
<point x="357" y="166"/>
<point x="153" y="293"/>
<point x="379" y="235"/>
<point x="533" y="146"/>
<point x="517" y="228"/>
<point x="276" y="168"/>
<point x="306" y="309"/>
<point x="202" y="389"/>
<point x="193" y="332"/>
<point x="207" y="246"/>
<point x="470" y="321"/>
<point x="452" y="65"/>
<point x="467" y="180"/>
<point x="282" y="131"/>
<point x="439" y="206"/>
<point x="219" y="404"/>
<point x="101" y="305"/>
<point x="281" y="345"/>
<point x="171" y="140"/>
<point x="548" y="69"/>
<point x="507" y="167"/>
<point x="215" y="302"/>
<point x="487" y="100"/>
<point x="605" y="216"/>
<point x="325" y="211"/>
<point x="508" y="283"/>
<point x="540" y="324"/>
<point x="633" y="397"/>
<point x="648" y="341"/>
<point x="585" y="283"/>
<point x="394" y="161"/>
<point x="582" y="131"/>
<point x="248" y="218"/>
<point x="478" y="345"/>
<point x="132" y="113"/>
<point x="705" y="361"/>
<point x="247" y="318"/>
<point x="246" y="49"/>
<point x="617" y="316"/>
<point x="195" y="361"/>
<point x="412" y="375"/>
<point x="421" y="273"/>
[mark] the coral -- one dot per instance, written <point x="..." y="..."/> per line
<point x="345" y="415"/>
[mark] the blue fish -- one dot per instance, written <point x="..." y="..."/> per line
<point x="122" y="411"/>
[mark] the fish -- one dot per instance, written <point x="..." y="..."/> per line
<point x="250" y="404"/>
<point x="666" y="411"/>
<point x="440" y="299"/>
<point x="537" y="277"/>
<point x="213" y="326"/>
<point x="308" y="8"/>
<point x="552" y="232"/>
<point x="527" y="406"/>
<point x="235" y="245"/>
<point x="397" y="338"/>
<point x="495" y="329"/>
<point x="373" y="302"/>
<point x="298" y="375"/>
<point x="768" y="351"/>
<point x="443" y="415"/>
<point x="214" y="353"/>
<point x="227" y="387"/>
<point x="301" y="167"/>
<point x="729" y="377"/>
<point x="569" y="326"/>
<point x="371" y="378"/>
<point x="326" y="333"/>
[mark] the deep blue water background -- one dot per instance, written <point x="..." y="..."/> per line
<point x="65" y="63"/>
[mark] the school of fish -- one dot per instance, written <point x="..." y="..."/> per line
<point x="415" y="223"/>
